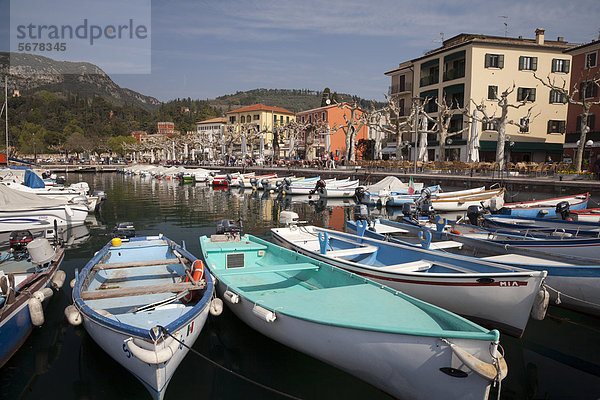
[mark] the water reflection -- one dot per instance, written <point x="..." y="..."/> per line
<point x="557" y="358"/>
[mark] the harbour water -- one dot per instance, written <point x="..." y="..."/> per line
<point x="558" y="358"/>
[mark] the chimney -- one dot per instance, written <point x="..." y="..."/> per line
<point x="539" y="36"/>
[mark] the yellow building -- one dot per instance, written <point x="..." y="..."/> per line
<point x="262" y="118"/>
<point x="478" y="67"/>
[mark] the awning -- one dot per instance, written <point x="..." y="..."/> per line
<point x="430" y="63"/>
<point x="455" y="56"/>
<point x="488" y="145"/>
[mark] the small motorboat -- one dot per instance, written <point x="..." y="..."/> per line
<point x="393" y="341"/>
<point x="29" y="273"/>
<point x="545" y="208"/>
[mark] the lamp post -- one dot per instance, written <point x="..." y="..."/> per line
<point x="588" y="143"/>
<point x="417" y="106"/>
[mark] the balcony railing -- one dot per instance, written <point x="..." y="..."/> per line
<point x="396" y="89"/>
<point x="454" y="74"/>
<point x="429" y="80"/>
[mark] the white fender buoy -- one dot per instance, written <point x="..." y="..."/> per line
<point x="72" y="283"/>
<point x="36" y="312"/>
<point x="216" y="307"/>
<point x="263" y="313"/>
<point x="43" y="294"/>
<point x="59" y="279"/>
<point x="481" y="368"/>
<point x="540" y="304"/>
<point x="73" y="315"/>
<point x="231" y="297"/>
<point x="153" y="356"/>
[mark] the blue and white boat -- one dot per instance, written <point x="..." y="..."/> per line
<point x="144" y="300"/>
<point x="28" y="276"/>
<point x="401" y="345"/>
<point x="544" y="208"/>
<point x="487" y="293"/>
<point x="543" y="224"/>
<point x="573" y="281"/>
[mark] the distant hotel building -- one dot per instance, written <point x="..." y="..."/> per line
<point x="210" y="132"/>
<point x="479" y="67"/>
<point x="167" y="128"/>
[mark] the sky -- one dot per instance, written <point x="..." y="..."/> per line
<point x="204" y="49"/>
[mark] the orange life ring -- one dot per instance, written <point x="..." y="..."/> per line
<point x="197" y="275"/>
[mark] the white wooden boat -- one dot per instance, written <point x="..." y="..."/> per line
<point x="141" y="299"/>
<point x="484" y="292"/>
<point x="397" y="200"/>
<point x="490" y="199"/>
<point x="544" y="208"/>
<point x="307" y="186"/>
<point x="587" y="215"/>
<point x="401" y="345"/>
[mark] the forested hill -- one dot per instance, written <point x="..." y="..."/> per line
<point x="292" y="99"/>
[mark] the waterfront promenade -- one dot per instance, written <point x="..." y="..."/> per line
<point x="516" y="182"/>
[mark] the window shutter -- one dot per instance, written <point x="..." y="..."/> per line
<point x="591" y="121"/>
<point x="561" y="126"/>
<point x="534" y="63"/>
<point x="554" y="65"/>
<point x="549" y="126"/>
<point x="532" y="94"/>
<point x="488" y="60"/>
<point x="594" y="89"/>
<point x="501" y="61"/>
<point x="519" y="94"/>
<point x="578" y="127"/>
<point x="521" y="63"/>
<point x="567" y="66"/>
<point x="553" y="95"/>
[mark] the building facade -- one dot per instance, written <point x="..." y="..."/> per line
<point x="478" y="68"/>
<point x="210" y="134"/>
<point x="333" y="116"/>
<point x="585" y="68"/>
<point x="259" y="118"/>
<point x="167" y="128"/>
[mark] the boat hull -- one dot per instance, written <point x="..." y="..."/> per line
<point x="401" y="365"/>
<point x="498" y="300"/>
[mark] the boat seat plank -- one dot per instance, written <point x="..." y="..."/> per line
<point x="268" y="269"/>
<point x="413" y="266"/>
<point x="522" y="259"/>
<point x="367" y="249"/>
<point x="446" y="244"/>
<point x="137" y="290"/>
<point x="130" y="264"/>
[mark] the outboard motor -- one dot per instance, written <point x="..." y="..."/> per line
<point x="46" y="175"/>
<point x="61" y="180"/>
<point x="18" y="243"/>
<point x="425" y="194"/>
<point x="82" y="200"/>
<point x="361" y="212"/>
<point x="124" y="230"/>
<point x="562" y="209"/>
<point x="359" y="193"/>
<point x="253" y="182"/>
<point x="287" y="181"/>
<point x="228" y="177"/>
<point x="426" y="209"/>
<point x="409" y="210"/>
<point x="475" y="215"/>
<point x="266" y="184"/>
<point x="229" y="227"/>
<point x="318" y="186"/>
<point x="101" y="194"/>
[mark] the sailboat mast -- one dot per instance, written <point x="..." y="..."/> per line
<point x="6" y="113"/>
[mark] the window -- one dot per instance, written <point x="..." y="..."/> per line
<point x="591" y="120"/>
<point x="524" y="125"/>
<point x="323" y="116"/>
<point x="491" y="125"/>
<point x="527" y="63"/>
<point x="494" y="61"/>
<point x="492" y="92"/>
<point x="401" y="110"/>
<point x="588" y="89"/>
<point x="287" y="120"/>
<point x="232" y="119"/>
<point x="560" y="65"/>
<point x="556" y="126"/>
<point x="256" y="117"/>
<point x="591" y="60"/>
<point x="526" y="94"/>
<point x="310" y="119"/>
<point x="557" y="97"/>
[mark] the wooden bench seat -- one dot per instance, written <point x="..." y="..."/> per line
<point x="130" y="264"/>
<point x="414" y="266"/>
<point x="367" y="249"/>
<point x="268" y="269"/>
<point x="138" y="290"/>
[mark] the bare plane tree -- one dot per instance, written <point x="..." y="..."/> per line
<point x="441" y="126"/>
<point x="389" y="120"/>
<point x="502" y="121"/>
<point x="353" y="124"/>
<point x="587" y="83"/>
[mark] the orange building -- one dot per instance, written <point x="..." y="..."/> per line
<point x="334" y="116"/>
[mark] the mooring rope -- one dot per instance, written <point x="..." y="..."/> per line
<point x="165" y="331"/>
<point x="559" y="293"/>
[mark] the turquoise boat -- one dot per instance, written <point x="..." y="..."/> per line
<point x="401" y="345"/>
